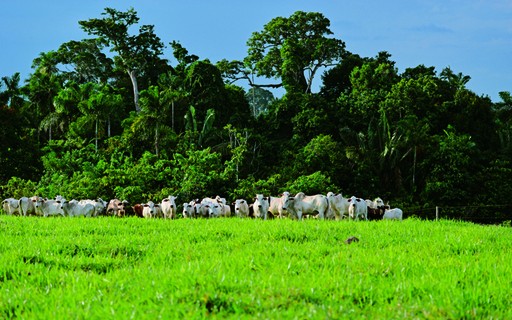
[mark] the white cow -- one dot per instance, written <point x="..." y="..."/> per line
<point x="11" y="206"/>
<point x="303" y="204"/>
<point x="189" y="210"/>
<point x="74" y="208"/>
<point x="210" y="208"/>
<point x="100" y="206"/>
<point x="241" y="208"/>
<point x="198" y="211"/>
<point x="168" y="206"/>
<point x="280" y="206"/>
<point x="393" y="214"/>
<point x="27" y="206"/>
<point x="225" y="210"/>
<point x="357" y="208"/>
<point x="261" y="206"/>
<point x="202" y="207"/>
<point x="45" y="207"/>
<point x="151" y="210"/>
<point x="338" y="206"/>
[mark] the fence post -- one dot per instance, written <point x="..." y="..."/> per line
<point x="437" y="213"/>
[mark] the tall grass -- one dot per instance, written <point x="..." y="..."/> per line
<point x="231" y="268"/>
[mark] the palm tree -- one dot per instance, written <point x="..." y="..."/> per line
<point x="12" y="96"/>
<point x="458" y="81"/>
<point x="149" y="121"/>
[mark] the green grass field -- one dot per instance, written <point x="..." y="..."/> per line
<point x="65" y="268"/>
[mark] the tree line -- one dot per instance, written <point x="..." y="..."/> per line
<point x="107" y="116"/>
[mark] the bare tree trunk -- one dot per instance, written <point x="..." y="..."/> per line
<point x="108" y="126"/>
<point x="133" y="78"/>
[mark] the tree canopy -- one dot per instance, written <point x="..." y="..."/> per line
<point x="108" y="117"/>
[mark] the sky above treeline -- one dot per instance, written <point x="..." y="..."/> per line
<point x="472" y="37"/>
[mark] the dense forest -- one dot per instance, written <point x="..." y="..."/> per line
<point x="107" y="116"/>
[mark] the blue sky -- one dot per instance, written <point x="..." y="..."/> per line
<point x="473" y="37"/>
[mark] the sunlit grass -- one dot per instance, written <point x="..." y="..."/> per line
<point x="136" y="268"/>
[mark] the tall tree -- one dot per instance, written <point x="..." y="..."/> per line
<point x="136" y="53"/>
<point x="87" y="61"/>
<point x="294" y="49"/>
<point x="503" y="111"/>
<point x="12" y="96"/>
<point x="43" y="86"/>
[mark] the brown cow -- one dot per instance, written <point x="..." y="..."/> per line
<point x="137" y="209"/>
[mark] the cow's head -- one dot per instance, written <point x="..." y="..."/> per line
<point x="285" y="200"/>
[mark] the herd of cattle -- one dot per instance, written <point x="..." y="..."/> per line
<point x="299" y="206"/>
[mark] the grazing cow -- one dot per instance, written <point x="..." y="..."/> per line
<point x="303" y="204"/>
<point x="357" y="208"/>
<point x="338" y="206"/>
<point x="189" y="210"/>
<point x="138" y="209"/>
<point x="76" y="208"/>
<point x="241" y="208"/>
<point x="11" y="206"/>
<point x="393" y="214"/>
<point x="279" y="206"/>
<point x="260" y="206"/>
<point x="27" y="206"/>
<point x="152" y="210"/>
<point x="168" y="206"/>
<point x="47" y="208"/>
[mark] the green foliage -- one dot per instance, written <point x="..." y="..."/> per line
<point x="259" y="100"/>
<point x="197" y="174"/>
<point x="315" y="183"/>
<point x="17" y="188"/>
<point x="452" y="177"/>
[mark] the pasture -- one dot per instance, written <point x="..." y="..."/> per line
<point x="78" y="268"/>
